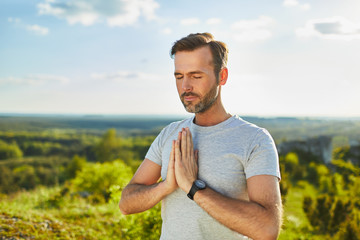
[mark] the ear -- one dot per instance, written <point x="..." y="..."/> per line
<point x="223" y="76"/>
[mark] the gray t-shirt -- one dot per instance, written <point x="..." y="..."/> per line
<point x="229" y="153"/>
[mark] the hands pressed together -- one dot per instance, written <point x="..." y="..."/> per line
<point x="183" y="163"/>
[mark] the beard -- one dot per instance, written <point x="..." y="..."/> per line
<point x="205" y="103"/>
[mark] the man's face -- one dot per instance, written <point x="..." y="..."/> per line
<point x="195" y="79"/>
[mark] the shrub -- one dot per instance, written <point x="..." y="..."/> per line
<point x="97" y="178"/>
<point x="9" y="150"/>
<point x="75" y="165"/>
<point x="25" y="177"/>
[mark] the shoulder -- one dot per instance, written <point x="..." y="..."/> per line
<point x="174" y="127"/>
<point x="249" y="129"/>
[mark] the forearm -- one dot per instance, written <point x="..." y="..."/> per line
<point x="137" y="198"/>
<point x="245" y="217"/>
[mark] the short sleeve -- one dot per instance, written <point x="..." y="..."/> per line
<point x="155" y="151"/>
<point x="263" y="158"/>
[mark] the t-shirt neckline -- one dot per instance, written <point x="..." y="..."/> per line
<point x="213" y="127"/>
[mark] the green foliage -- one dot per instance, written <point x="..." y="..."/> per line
<point x="327" y="213"/>
<point x="346" y="169"/>
<point x="146" y="225"/>
<point x="46" y="213"/>
<point x="6" y="180"/>
<point x="74" y="166"/>
<point x="349" y="231"/>
<point x="9" y="150"/>
<point x="97" y="178"/>
<point x="109" y="147"/>
<point x="318" y="174"/>
<point x="291" y="166"/>
<point x="27" y="173"/>
<point x="25" y="177"/>
<point x="35" y="148"/>
<point x="284" y="186"/>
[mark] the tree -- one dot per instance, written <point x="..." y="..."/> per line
<point x="108" y="148"/>
<point x="25" y="177"/>
<point x="75" y="165"/>
<point x="6" y="180"/>
<point x="9" y="150"/>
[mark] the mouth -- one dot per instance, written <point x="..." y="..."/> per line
<point x="189" y="98"/>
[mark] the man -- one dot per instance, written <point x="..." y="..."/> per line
<point x="220" y="173"/>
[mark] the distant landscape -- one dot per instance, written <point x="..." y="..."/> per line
<point x="61" y="176"/>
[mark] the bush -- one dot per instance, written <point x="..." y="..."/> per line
<point x="109" y="147"/>
<point x="25" y="177"/>
<point x="6" y="180"/>
<point x="97" y="178"/>
<point x="145" y="225"/>
<point x="9" y="150"/>
<point x="327" y="213"/>
<point x="75" y="165"/>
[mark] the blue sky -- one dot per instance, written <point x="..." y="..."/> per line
<point x="287" y="57"/>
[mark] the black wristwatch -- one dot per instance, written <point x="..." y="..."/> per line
<point x="197" y="185"/>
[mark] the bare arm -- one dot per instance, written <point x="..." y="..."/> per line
<point x="257" y="218"/>
<point x="143" y="192"/>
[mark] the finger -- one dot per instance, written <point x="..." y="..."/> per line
<point x="189" y="150"/>
<point x="172" y="155"/>
<point x="177" y="152"/>
<point x="191" y="139"/>
<point x="183" y="145"/>
<point x="179" y="136"/>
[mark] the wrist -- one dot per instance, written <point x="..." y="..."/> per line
<point x="166" y="188"/>
<point x="197" y="186"/>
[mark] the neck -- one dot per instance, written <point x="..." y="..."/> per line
<point x="214" y="115"/>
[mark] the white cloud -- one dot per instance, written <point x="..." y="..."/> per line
<point x="34" y="28"/>
<point x="338" y="28"/>
<point x="295" y="3"/>
<point x="290" y="3"/>
<point x="213" y="21"/>
<point x="33" y="79"/>
<point x="88" y="12"/>
<point x="166" y="31"/>
<point x="14" y="20"/>
<point x="305" y="6"/>
<point x="189" y="21"/>
<point x="252" y="30"/>
<point x="124" y="76"/>
<point x="37" y="29"/>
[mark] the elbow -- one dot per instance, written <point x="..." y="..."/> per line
<point x="267" y="232"/>
<point x="271" y="233"/>
<point x="123" y="209"/>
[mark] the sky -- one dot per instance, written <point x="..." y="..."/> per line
<point x="286" y="57"/>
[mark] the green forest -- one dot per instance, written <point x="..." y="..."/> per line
<point x="61" y="177"/>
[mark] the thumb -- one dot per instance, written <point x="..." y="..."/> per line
<point x="172" y="156"/>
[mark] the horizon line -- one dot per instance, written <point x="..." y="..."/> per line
<point x="9" y="114"/>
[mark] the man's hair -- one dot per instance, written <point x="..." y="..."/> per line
<point x="194" y="41"/>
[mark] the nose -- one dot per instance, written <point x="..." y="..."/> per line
<point x="186" y="84"/>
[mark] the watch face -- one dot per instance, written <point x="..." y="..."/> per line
<point x="200" y="184"/>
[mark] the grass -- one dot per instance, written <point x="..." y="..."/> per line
<point x="27" y="215"/>
<point x="45" y="214"/>
<point x="296" y="225"/>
